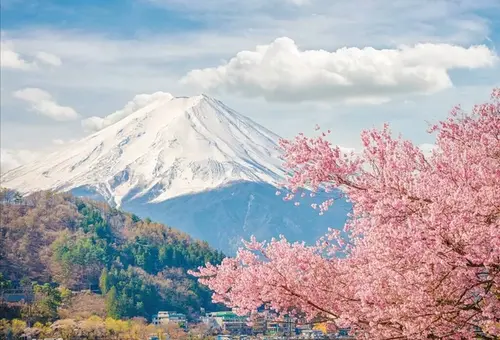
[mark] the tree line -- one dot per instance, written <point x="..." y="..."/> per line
<point x="51" y="241"/>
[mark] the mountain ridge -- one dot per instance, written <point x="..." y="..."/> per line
<point x="189" y="162"/>
<point x="173" y="146"/>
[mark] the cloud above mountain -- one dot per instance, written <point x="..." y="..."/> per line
<point x="144" y="46"/>
<point x="43" y="103"/>
<point x="11" y="59"/>
<point x="94" y="123"/>
<point x="48" y="58"/>
<point x="281" y="71"/>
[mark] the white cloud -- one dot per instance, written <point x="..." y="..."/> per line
<point x="42" y="102"/>
<point x="366" y="100"/>
<point x="281" y="72"/>
<point x="327" y="23"/>
<point x="11" y="59"/>
<point x="48" y="58"/>
<point x="11" y="159"/>
<point x="58" y="141"/>
<point x="94" y="123"/>
<point x="102" y="71"/>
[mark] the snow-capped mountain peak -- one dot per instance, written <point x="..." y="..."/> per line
<point x="166" y="147"/>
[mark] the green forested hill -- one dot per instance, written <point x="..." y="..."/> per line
<point x="140" y="266"/>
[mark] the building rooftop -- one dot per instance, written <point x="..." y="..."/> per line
<point x="170" y="313"/>
<point x="230" y="314"/>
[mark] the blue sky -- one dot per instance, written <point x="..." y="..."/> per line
<point x="340" y="64"/>
<point x="119" y="18"/>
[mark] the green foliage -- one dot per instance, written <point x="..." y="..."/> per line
<point x="93" y="222"/>
<point x="139" y="266"/>
<point x="12" y="329"/>
<point x="135" y="218"/>
<point x="104" y="281"/>
<point x="46" y="301"/>
<point x="155" y="257"/>
<point x="112" y="307"/>
<point x="4" y="283"/>
<point x="132" y="291"/>
<point x="81" y="257"/>
<point x="82" y="250"/>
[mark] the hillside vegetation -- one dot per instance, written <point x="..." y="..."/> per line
<point x="137" y="265"/>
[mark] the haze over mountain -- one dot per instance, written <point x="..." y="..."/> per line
<point x="192" y="163"/>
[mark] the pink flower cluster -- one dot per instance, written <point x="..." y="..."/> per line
<point x="423" y="255"/>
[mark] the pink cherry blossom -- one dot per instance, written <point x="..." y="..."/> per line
<point x="422" y="256"/>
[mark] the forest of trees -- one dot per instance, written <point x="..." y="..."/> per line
<point x="50" y="240"/>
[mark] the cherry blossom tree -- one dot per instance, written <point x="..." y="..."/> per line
<point x="420" y="254"/>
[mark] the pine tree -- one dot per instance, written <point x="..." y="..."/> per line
<point x="104" y="281"/>
<point x="112" y="308"/>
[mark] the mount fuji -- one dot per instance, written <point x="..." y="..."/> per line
<point x="189" y="162"/>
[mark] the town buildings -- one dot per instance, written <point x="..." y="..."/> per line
<point x="170" y="317"/>
<point x="229" y="325"/>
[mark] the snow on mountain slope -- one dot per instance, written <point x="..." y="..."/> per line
<point x="168" y="148"/>
<point x="191" y="163"/>
<point x="11" y="159"/>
